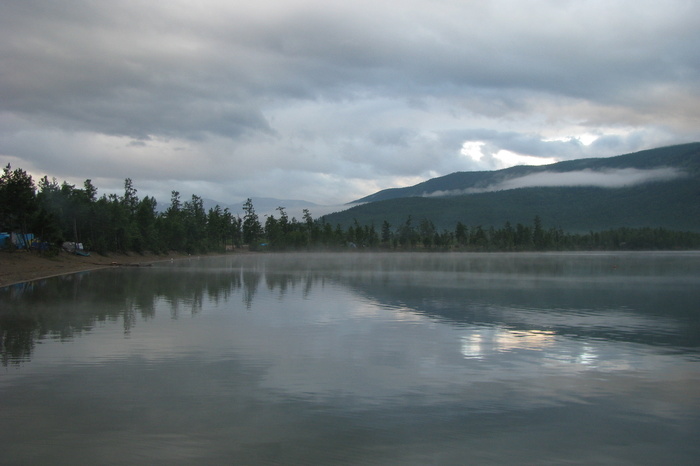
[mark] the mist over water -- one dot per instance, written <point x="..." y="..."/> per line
<point x="357" y="359"/>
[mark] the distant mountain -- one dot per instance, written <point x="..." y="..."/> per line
<point x="652" y="188"/>
<point x="266" y="206"/>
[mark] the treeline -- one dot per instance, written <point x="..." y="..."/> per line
<point x="534" y="237"/>
<point x="56" y="213"/>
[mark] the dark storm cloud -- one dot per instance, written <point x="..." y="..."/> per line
<point x="79" y="68"/>
<point x="376" y="94"/>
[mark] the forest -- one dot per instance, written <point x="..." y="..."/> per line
<point x="56" y="213"/>
<point x="578" y="208"/>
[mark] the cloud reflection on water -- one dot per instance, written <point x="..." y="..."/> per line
<point x="457" y="351"/>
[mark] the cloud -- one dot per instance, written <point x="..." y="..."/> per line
<point x="613" y="178"/>
<point x="224" y="94"/>
<point x="617" y="178"/>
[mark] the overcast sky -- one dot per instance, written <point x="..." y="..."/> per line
<point x="329" y="101"/>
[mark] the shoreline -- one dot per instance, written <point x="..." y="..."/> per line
<point x="22" y="266"/>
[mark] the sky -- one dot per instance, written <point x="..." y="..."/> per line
<point x="330" y="101"/>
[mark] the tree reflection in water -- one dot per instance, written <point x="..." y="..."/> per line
<point x="584" y="294"/>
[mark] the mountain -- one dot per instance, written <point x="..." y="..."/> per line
<point x="265" y="206"/>
<point x="652" y="188"/>
<point x="684" y="157"/>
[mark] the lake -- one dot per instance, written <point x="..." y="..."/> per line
<point x="357" y="358"/>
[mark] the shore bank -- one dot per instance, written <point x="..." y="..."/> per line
<point x="23" y="266"/>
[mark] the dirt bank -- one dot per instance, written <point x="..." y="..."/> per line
<point x="22" y="266"/>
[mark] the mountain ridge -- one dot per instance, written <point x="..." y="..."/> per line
<point x="655" y="188"/>
<point x="675" y="155"/>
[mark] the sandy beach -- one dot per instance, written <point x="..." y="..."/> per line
<point x="23" y="266"/>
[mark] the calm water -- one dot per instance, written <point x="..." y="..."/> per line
<point x="357" y="359"/>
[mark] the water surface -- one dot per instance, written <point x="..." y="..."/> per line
<point x="357" y="359"/>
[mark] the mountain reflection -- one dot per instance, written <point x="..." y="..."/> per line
<point x="515" y="300"/>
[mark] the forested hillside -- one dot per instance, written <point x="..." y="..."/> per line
<point x="666" y="203"/>
<point x="684" y="157"/>
<point x="654" y="214"/>
<point x="577" y="209"/>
